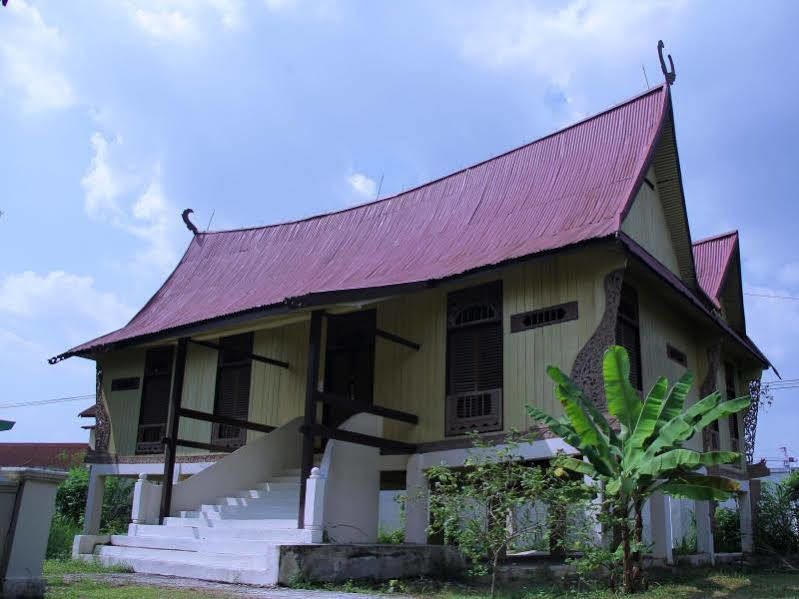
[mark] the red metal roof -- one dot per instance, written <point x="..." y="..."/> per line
<point x="44" y="455"/>
<point x="712" y="257"/>
<point x="566" y="188"/>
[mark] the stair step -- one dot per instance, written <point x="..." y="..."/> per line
<point x="270" y="487"/>
<point x="256" y="523"/>
<point x="228" y="546"/>
<point x="285" y="536"/>
<point x="261" y="498"/>
<point x="283" y="478"/>
<point x="190" y="564"/>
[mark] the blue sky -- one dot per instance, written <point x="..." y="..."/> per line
<point x="114" y="116"/>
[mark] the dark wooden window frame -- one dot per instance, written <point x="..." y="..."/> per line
<point x="480" y="408"/>
<point x="628" y="316"/>
<point x="524" y="321"/>
<point x="150" y="435"/>
<point x="731" y="392"/>
<point x="227" y="435"/>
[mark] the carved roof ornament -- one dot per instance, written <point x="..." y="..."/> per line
<point x="670" y="75"/>
<point x="189" y="225"/>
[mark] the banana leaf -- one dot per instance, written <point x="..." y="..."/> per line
<point x="623" y="401"/>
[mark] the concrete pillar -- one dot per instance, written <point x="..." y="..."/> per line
<point x="314" y="505"/>
<point x="660" y="527"/>
<point x="94" y="503"/>
<point x="704" y="531"/>
<point x="416" y="506"/>
<point x="745" y="514"/>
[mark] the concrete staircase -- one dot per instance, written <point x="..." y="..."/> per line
<point x="234" y="539"/>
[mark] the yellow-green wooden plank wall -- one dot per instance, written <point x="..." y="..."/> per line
<point x="646" y="224"/>
<point x="414" y="381"/>
<point x="199" y="386"/>
<point x="278" y="394"/>
<point x="123" y="406"/>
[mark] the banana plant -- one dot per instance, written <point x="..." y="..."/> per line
<point x="640" y="449"/>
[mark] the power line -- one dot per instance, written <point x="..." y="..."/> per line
<point x="42" y="402"/>
<point x="785" y="297"/>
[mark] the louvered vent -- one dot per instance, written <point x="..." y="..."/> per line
<point x="474" y="360"/>
<point x="541" y="318"/>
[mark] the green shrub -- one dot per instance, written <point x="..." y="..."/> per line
<point x="391" y="537"/>
<point x="70" y="498"/>
<point x="59" y="542"/>
<point x="777" y="522"/>
<point x="727" y="533"/>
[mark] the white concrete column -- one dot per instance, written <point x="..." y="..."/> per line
<point x="704" y="532"/>
<point x="146" y="502"/>
<point x="660" y="527"/>
<point x="314" y="505"/>
<point x="94" y="503"/>
<point x="416" y="506"/>
<point x="745" y="514"/>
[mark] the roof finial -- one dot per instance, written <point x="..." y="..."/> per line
<point x="189" y="225"/>
<point x="669" y="75"/>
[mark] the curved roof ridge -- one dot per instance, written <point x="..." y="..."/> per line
<point x="617" y="106"/>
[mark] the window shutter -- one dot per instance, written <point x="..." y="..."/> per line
<point x="233" y="388"/>
<point x="156" y="388"/>
<point x="474" y="360"/>
<point x="628" y="334"/>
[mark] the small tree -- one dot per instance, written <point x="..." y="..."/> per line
<point x="487" y="507"/>
<point x="646" y="453"/>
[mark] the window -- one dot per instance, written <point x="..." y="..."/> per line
<point x="130" y="383"/>
<point x="675" y="354"/>
<point x="731" y="393"/>
<point x="628" y="334"/>
<point x="474" y="360"/>
<point x="543" y="317"/>
<point x="154" y="400"/>
<point x="232" y="388"/>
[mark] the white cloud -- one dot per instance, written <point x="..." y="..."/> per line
<point x="170" y="25"/>
<point x="30" y="57"/>
<point x="100" y="184"/>
<point x="362" y="185"/>
<point x="789" y="273"/>
<point x="152" y="216"/>
<point x="108" y="196"/>
<point x="773" y="323"/>
<point x="183" y="21"/>
<point x="31" y="295"/>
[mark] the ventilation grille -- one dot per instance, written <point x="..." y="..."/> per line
<point x="675" y="354"/>
<point x="525" y="321"/>
<point x="130" y="383"/>
<point x="480" y="411"/>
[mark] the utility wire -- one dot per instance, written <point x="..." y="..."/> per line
<point x="785" y="297"/>
<point x="42" y="402"/>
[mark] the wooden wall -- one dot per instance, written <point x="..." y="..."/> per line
<point x="646" y="224"/>
<point x="123" y="406"/>
<point x="415" y="381"/>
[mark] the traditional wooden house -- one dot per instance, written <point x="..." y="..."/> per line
<point x="369" y="341"/>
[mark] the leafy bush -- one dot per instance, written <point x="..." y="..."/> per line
<point x="62" y="532"/>
<point x="727" y="533"/>
<point x="70" y="504"/>
<point x="391" y="537"/>
<point x="777" y="522"/>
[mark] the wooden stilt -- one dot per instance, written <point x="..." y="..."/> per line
<point x="172" y="421"/>
<point x="311" y="383"/>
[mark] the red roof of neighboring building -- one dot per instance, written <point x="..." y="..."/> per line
<point x="712" y="257"/>
<point x="568" y="187"/>
<point x="44" y="455"/>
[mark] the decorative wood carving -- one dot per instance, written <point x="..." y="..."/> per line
<point x="102" y="430"/>
<point x="587" y="369"/>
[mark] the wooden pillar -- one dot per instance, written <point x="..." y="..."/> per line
<point x="172" y="422"/>
<point x="311" y="384"/>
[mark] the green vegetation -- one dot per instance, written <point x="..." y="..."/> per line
<point x="646" y="455"/>
<point x="90" y="589"/>
<point x="59" y="567"/>
<point x="496" y="503"/>
<point x="70" y="503"/>
<point x="696" y="584"/>
<point x="727" y="533"/>
<point x="777" y="524"/>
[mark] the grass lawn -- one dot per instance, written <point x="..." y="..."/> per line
<point x="73" y="580"/>
<point x="697" y="584"/>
